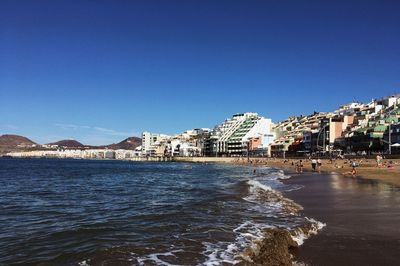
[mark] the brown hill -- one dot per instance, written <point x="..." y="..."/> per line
<point x="68" y="143"/>
<point x="9" y="143"/>
<point x="127" y="144"/>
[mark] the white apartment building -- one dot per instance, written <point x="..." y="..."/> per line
<point x="77" y="154"/>
<point x="232" y="137"/>
<point x="150" y="141"/>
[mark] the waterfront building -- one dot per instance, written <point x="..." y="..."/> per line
<point x="236" y="135"/>
<point x="121" y="154"/>
<point x="299" y="135"/>
<point x="354" y="127"/>
<point x="109" y="154"/>
<point x="77" y="154"/>
<point x="394" y="138"/>
<point x="137" y="152"/>
<point x="188" y="143"/>
<point x="151" y="141"/>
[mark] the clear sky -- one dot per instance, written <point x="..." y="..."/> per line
<point x="100" y="71"/>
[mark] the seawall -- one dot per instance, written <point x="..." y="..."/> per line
<point x="205" y="159"/>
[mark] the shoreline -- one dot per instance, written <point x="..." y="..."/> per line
<point x="366" y="170"/>
<point x="360" y="211"/>
<point x="361" y="215"/>
<point x="361" y="218"/>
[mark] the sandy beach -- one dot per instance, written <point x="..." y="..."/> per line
<point x="361" y="212"/>
<point x="362" y="218"/>
<point x="388" y="172"/>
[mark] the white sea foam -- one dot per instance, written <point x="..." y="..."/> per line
<point x="249" y="234"/>
<point x="281" y="175"/>
<point x="217" y="255"/>
<point x="254" y="184"/>
<point x="293" y="188"/>
<point x="299" y="235"/>
<point x="154" y="258"/>
<point x="271" y="199"/>
<point x="84" y="263"/>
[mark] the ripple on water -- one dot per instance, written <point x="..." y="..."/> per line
<point x="103" y="212"/>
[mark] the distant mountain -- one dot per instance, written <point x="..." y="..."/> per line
<point x="10" y="143"/>
<point x="68" y="143"/>
<point x="127" y="144"/>
<point x="15" y="140"/>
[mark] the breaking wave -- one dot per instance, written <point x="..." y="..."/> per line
<point x="78" y="212"/>
<point x="251" y="233"/>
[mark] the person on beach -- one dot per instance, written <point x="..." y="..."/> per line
<point x="319" y="164"/>
<point x="354" y="166"/>
<point x="313" y="164"/>
<point x="299" y="166"/>
<point x="378" y="160"/>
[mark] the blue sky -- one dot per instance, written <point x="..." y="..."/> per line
<point x="100" y="71"/>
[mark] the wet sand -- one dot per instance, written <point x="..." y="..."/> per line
<point x="362" y="217"/>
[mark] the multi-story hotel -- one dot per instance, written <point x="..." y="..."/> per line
<point x="239" y="134"/>
<point x="151" y="142"/>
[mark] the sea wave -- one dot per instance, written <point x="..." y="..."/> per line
<point x="250" y="235"/>
<point x="247" y="235"/>
<point x="302" y="233"/>
<point x="271" y="215"/>
<point x="263" y="194"/>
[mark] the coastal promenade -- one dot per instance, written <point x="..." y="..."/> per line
<point x="206" y="159"/>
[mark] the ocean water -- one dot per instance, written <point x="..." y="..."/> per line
<point x="80" y="212"/>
